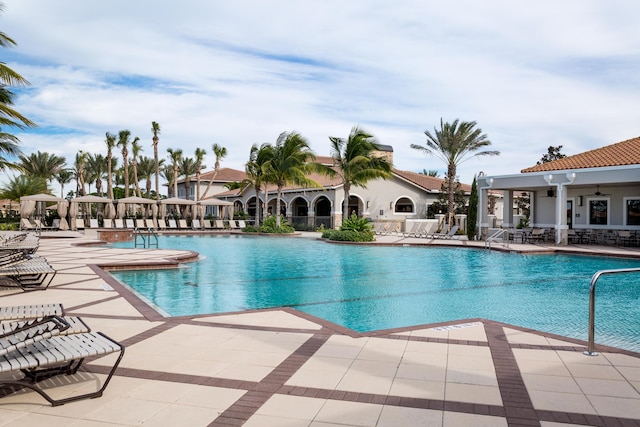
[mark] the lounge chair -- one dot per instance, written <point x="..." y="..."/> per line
<point x="10" y="257"/>
<point x="162" y="224"/>
<point x="107" y="223"/>
<point x="537" y="234"/>
<point x="150" y="223"/>
<point x="233" y="225"/>
<point x="55" y="356"/>
<point x="446" y="235"/>
<point x="30" y="311"/>
<point x="172" y="224"/>
<point x="118" y="223"/>
<point x="55" y="224"/>
<point x="93" y="223"/>
<point x="25" y="224"/>
<point x="140" y="223"/>
<point x="129" y="223"/>
<point x="415" y="228"/>
<point x="195" y="224"/>
<point x="19" y="334"/>
<point x="25" y="242"/>
<point x="207" y="224"/>
<point x="30" y="275"/>
<point x="242" y="224"/>
<point x="430" y="230"/>
<point x="219" y="225"/>
<point x="182" y="224"/>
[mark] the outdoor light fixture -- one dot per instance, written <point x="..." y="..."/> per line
<point x="579" y="200"/>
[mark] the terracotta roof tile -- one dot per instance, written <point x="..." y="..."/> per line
<point x="620" y="154"/>
<point x="223" y="175"/>
<point x="427" y="182"/>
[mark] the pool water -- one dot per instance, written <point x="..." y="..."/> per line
<point x="369" y="288"/>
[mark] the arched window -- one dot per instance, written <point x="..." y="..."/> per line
<point x="404" y="205"/>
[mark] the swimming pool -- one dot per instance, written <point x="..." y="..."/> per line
<point x="369" y="288"/>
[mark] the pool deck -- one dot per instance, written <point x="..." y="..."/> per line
<point x="285" y="368"/>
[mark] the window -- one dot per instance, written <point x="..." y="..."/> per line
<point x="633" y="211"/>
<point x="404" y="205"/>
<point x="598" y="212"/>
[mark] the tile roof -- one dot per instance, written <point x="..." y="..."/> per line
<point x="620" y="154"/>
<point x="427" y="182"/>
<point x="223" y="175"/>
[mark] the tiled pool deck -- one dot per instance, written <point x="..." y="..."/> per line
<point x="284" y="368"/>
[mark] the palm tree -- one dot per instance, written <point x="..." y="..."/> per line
<point x="79" y="169"/>
<point x="146" y="170"/>
<point x="187" y="169"/>
<point x="289" y="164"/>
<point x="175" y="156"/>
<point x="220" y="152"/>
<point x="136" y="148"/>
<point x="454" y="143"/>
<point x="155" y="129"/>
<point x="43" y="165"/>
<point x="8" y="115"/>
<point x="431" y="172"/>
<point x="96" y="169"/>
<point x="166" y="172"/>
<point x="200" y="153"/>
<point x="123" y="142"/>
<point x="110" y="140"/>
<point x="63" y="177"/>
<point x="254" y="168"/>
<point x="356" y="163"/>
<point x="23" y="185"/>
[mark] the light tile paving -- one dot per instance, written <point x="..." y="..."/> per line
<point x="275" y="368"/>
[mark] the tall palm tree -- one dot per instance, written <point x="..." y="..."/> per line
<point x="187" y="168"/>
<point x="96" y="169"/>
<point x="110" y="140"/>
<point x="43" y="165"/>
<point x="200" y="153"/>
<point x="290" y="164"/>
<point x="136" y="148"/>
<point x="254" y="168"/>
<point x="220" y="152"/>
<point x="454" y="143"/>
<point x="23" y="185"/>
<point x="356" y="162"/>
<point x="146" y="170"/>
<point x="166" y="172"/>
<point x="175" y="156"/>
<point x="64" y="177"/>
<point x="8" y="115"/>
<point x="155" y="129"/>
<point x="79" y="169"/>
<point x="123" y="143"/>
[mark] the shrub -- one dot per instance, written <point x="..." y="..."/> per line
<point x="269" y="226"/>
<point x="348" y="235"/>
<point x="354" y="223"/>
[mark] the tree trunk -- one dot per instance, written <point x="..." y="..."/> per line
<point x="451" y="172"/>
<point x="345" y="202"/>
<point x="278" y="193"/>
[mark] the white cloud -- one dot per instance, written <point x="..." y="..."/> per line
<point x="241" y="72"/>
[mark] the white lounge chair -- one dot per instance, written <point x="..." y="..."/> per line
<point x="219" y="224"/>
<point x="129" y="223"/>
<point x="446" y="235"/>
<point x="93" y="223"/>
<point x="195" y="224"/>
<point x="118" y="223"/>
<point x="182" y="224"/>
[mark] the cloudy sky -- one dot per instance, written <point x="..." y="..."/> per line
<point x="531" y="74"/>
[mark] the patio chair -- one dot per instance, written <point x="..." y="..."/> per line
<point x="172" y="224"/>
<point x="57" y="355"/>
<point x="446" y="235"/>
<point x="118" y="223"/>
<point x="25" y="224"/>
<point x="162" y="224"/>
<point x="536" y="235"/>
<point x="150" y="223"/>
<point x="182" y="224"/>
<point x="195" y="224"/>
<point x="140" y="223"/>
<point x="18" y="330"/>
<point x="30" y="275"/>
<point x="219" y="224"/>
<point x="25" y="242"/>
<point x="93" y="223"/>
<point x="129" y="223"/>
<point x="242" y="224"/>
<point x="206" y="223"/>
<point x="233" y="225"/>
<point x="30" y="311"/>
<point x="430" y="231"/>
<point x="623" y="237"/>
<point x="107" y="223"/>
<point x="10" y="257"/>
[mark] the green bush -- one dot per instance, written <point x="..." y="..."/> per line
<point x="269" y="226"/>
<point x="348" y="235"/>
<point x="354" y="223"/>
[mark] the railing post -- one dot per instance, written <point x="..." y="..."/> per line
<point x="591" y="348"/>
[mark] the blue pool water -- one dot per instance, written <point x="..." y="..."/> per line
<point x="369" y="288"/>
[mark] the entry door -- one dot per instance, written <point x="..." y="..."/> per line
<point x="570" y="213"/>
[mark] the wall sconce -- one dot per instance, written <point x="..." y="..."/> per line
<point x="391" y="205"/>
<point x="579" y="200"/>
<point x="368" y="204"/>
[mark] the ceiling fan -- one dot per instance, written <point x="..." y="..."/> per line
<point x="598" y="193"/>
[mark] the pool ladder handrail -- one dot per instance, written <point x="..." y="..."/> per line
<point x="498" y="234"/>
<point x="146" y="237"/>
<point x="591" y="350"/>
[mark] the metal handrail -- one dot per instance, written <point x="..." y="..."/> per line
<point x="592" y="304"/>
<point x="494" y="238"/>
<point x="146" y="241"/>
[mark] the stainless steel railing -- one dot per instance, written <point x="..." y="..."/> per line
<point x="591" y="350"/>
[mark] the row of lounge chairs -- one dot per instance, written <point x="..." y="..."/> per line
<point x="428" y="230"/>
<point x="171" y="224"/>
<point x="41" y="342"/>
<point x="19" y="267"/>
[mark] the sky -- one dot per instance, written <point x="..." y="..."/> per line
<point x="239" y="72"/>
